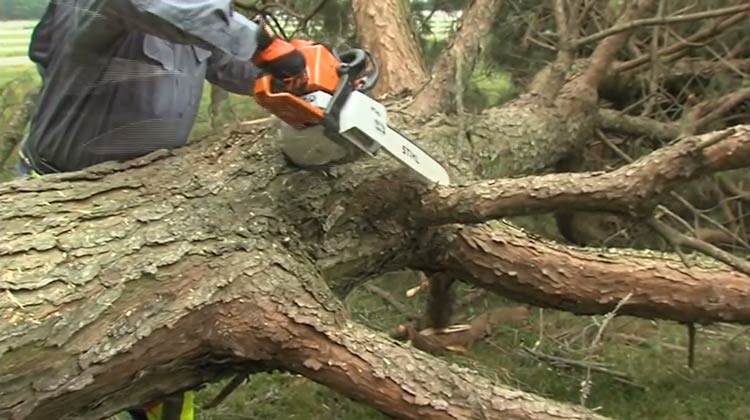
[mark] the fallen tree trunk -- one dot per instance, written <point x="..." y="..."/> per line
<point x="201" y="263"/>
<point x="262" y="308"/>
<point x="130" y="281"/>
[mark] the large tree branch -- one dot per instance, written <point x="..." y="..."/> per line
<point x="259" y="308"/>
<point x="634" y="188"/>
<point x="503" y="259"/>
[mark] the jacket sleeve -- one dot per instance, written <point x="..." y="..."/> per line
<point x="42" y="39"/>
<point x="231" y="74"/>
<point x="209" y="24"/>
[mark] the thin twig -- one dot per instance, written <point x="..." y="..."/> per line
<point x="678" y="49"/>
<point x="661" y="21"/>
<point x="586" y="383"/>
<point x="679" y="239"/>
<point x="388" y="298"/>
<point x="641" y="341"/>
<point x="558" y="361"/>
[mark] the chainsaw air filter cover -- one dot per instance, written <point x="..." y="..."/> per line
<point x="310" y="148"/>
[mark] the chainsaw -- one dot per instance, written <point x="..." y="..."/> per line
<point x="334" y="96"/>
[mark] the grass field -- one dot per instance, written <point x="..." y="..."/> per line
<point x="14" y="37"/>
<point x="653" y="383"/>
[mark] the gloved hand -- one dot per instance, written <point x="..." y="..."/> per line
<point x="279" y="58"/>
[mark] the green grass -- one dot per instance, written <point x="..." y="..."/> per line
<point x="12" y="73"/>
<point x="17" y="24"/>
<point x="13" y="52"/>
<point x="15" y="37"/>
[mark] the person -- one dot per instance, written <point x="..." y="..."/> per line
<point x="123" y="78"/>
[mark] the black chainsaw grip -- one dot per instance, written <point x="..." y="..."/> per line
<point x="353" y="62"/>
<point x="372" y="77"/>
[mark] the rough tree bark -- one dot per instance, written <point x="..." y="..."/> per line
<point x="200" y="264"/>
<point x="210" y="261"/>
<point x="383" y="28"/>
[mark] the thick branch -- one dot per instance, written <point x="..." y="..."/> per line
<point x="501" y="258"/>
<point x="634" y="188"/>
<point x="605" y="53"/>
<point x="254" y="307"/>
<point x="640" y="126"/>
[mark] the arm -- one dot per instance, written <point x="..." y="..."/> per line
<point x="209" y="24"/>
<point x="231" y="74"/>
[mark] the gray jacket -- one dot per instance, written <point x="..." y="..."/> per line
<point x="122" y="78"/>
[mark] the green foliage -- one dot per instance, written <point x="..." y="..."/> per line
<point x="15" y="83"/>
<point x="22" y="9"/>
<point x="280" y="396"/>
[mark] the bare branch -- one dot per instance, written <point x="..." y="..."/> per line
<point x="679" y="49"/>
<point x="679" y="239"/>
<point x="641" y="126"/>
<point x="710" y="111"/>
<point x="660" y="21"/>
<point x="604" y="54"/>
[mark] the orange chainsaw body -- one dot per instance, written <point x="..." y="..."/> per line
<point x="290" y="107"/>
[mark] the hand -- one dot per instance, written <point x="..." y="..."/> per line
<point x="279" y="58"/>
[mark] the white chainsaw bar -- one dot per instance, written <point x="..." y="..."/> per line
<point x="363" y="121"/>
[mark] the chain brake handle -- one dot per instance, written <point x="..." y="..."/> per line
<point x="353" y="64"/>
